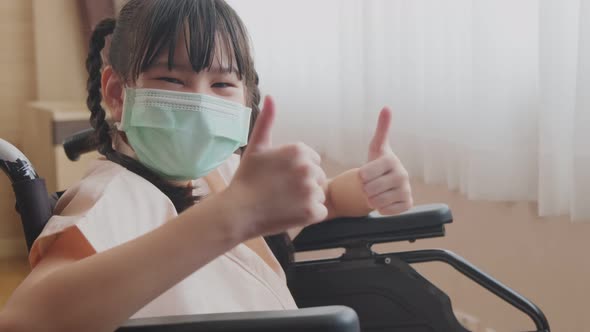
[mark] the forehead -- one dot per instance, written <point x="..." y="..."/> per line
<point x="222" y="56"/>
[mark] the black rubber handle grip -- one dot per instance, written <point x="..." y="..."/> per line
<point x="80" y="143"/>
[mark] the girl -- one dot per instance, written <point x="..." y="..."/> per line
<point x="136" y="236"/>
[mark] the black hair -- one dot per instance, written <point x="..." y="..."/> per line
<point x="144" y="30"/>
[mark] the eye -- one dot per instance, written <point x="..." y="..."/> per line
<point x="223" y="85"/>
<point x="170" y="80"/>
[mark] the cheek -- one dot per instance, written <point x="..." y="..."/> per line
<point x="245" y="97"/>
<point x="237" y="95"/>
<point x="240" y="97"/>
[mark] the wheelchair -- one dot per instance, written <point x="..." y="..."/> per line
<point x="358" y="291"/>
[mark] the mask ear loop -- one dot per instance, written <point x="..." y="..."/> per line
<point x="117" y="130"/>
<point x="119" y="125"/>
<point x="116" y="135"/>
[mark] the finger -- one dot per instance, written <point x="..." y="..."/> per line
<point x="396" y="208"/>
<point x="387" y="198"/>
<point x="299" y="152"/>
<point x="319" y="212"/>
<point x="318" y="194"/>
<point x="319" y="175"/>
<point x="315" y="157"/>
<point x="311" y="153"/>
<point x="310" y="178"/>
<point x="378" y="167"/>
<point x="380" y="139"/>
<point x="261" y="134"/>
<point x="384" y="183"/>
<point x="311" y="214"/>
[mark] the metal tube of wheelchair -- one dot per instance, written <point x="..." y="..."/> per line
<point x="32" y="201"/>
<point x="481" y="278"/>
<point x="14" y="163"/>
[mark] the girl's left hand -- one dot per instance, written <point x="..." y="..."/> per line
<point x="385" y="181"/>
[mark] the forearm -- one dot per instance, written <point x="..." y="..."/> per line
<point x="102" y="291"/>
<point x="344" y="198"/>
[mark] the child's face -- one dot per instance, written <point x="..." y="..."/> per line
<point x="220" y="81"/>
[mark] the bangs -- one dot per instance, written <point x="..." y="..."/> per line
<point x="208" y="28"/>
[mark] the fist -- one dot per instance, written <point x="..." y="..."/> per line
<point x="385" y="181"/>
<point x="278" y="188"/>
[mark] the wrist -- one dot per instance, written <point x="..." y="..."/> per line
<point x="220" y="216"/>
<point x="332" y="212"/>
<point x="237" y="217"/>
<point x="347" y="196"/>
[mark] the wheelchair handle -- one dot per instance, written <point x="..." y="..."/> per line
<point x="14" y="163"/>
<point x="80" y="143"/>
<point x="30" y="192"/>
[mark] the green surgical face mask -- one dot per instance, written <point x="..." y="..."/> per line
<point x="183" y="136"/>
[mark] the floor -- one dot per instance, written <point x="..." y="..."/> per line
<point x="12" y="272"/>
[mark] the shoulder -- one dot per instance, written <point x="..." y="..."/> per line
<point x="110" y="205"/>
<point x="106" y="180"/>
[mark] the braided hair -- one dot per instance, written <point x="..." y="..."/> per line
<point x="181" y="197"/>
<point x="145" y="29"/>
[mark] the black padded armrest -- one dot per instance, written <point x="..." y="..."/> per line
<point x="319" y="319"/>
<point x="422" y="221"/>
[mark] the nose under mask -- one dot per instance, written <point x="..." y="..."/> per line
<point x="180" y="135"/>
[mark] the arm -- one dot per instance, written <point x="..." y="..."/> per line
<point x="345" y="197"/>
<point x="108" y="283"/>
<point x="118" y="282"/>
<point x="381" y="184"/>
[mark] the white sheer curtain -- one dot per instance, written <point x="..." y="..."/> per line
<point x="490" y="97"/>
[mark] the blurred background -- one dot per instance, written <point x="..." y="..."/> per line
<point x="491" y="103"/>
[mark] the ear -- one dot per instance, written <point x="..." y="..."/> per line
<point x="113" y="92"/>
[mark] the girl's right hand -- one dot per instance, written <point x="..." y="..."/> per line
<point x="277" y="188"/>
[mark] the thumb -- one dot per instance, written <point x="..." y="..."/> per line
<point x="380" y="139"/>
<point x="261" y="133"/>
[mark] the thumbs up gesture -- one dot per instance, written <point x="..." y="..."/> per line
<point x="277" y="188"/>
<point x="385" y="181"/>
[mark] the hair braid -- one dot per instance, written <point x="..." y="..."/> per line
<point x="94" y="68"/>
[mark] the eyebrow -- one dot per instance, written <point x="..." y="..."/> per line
<point x="187" y="67"/>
